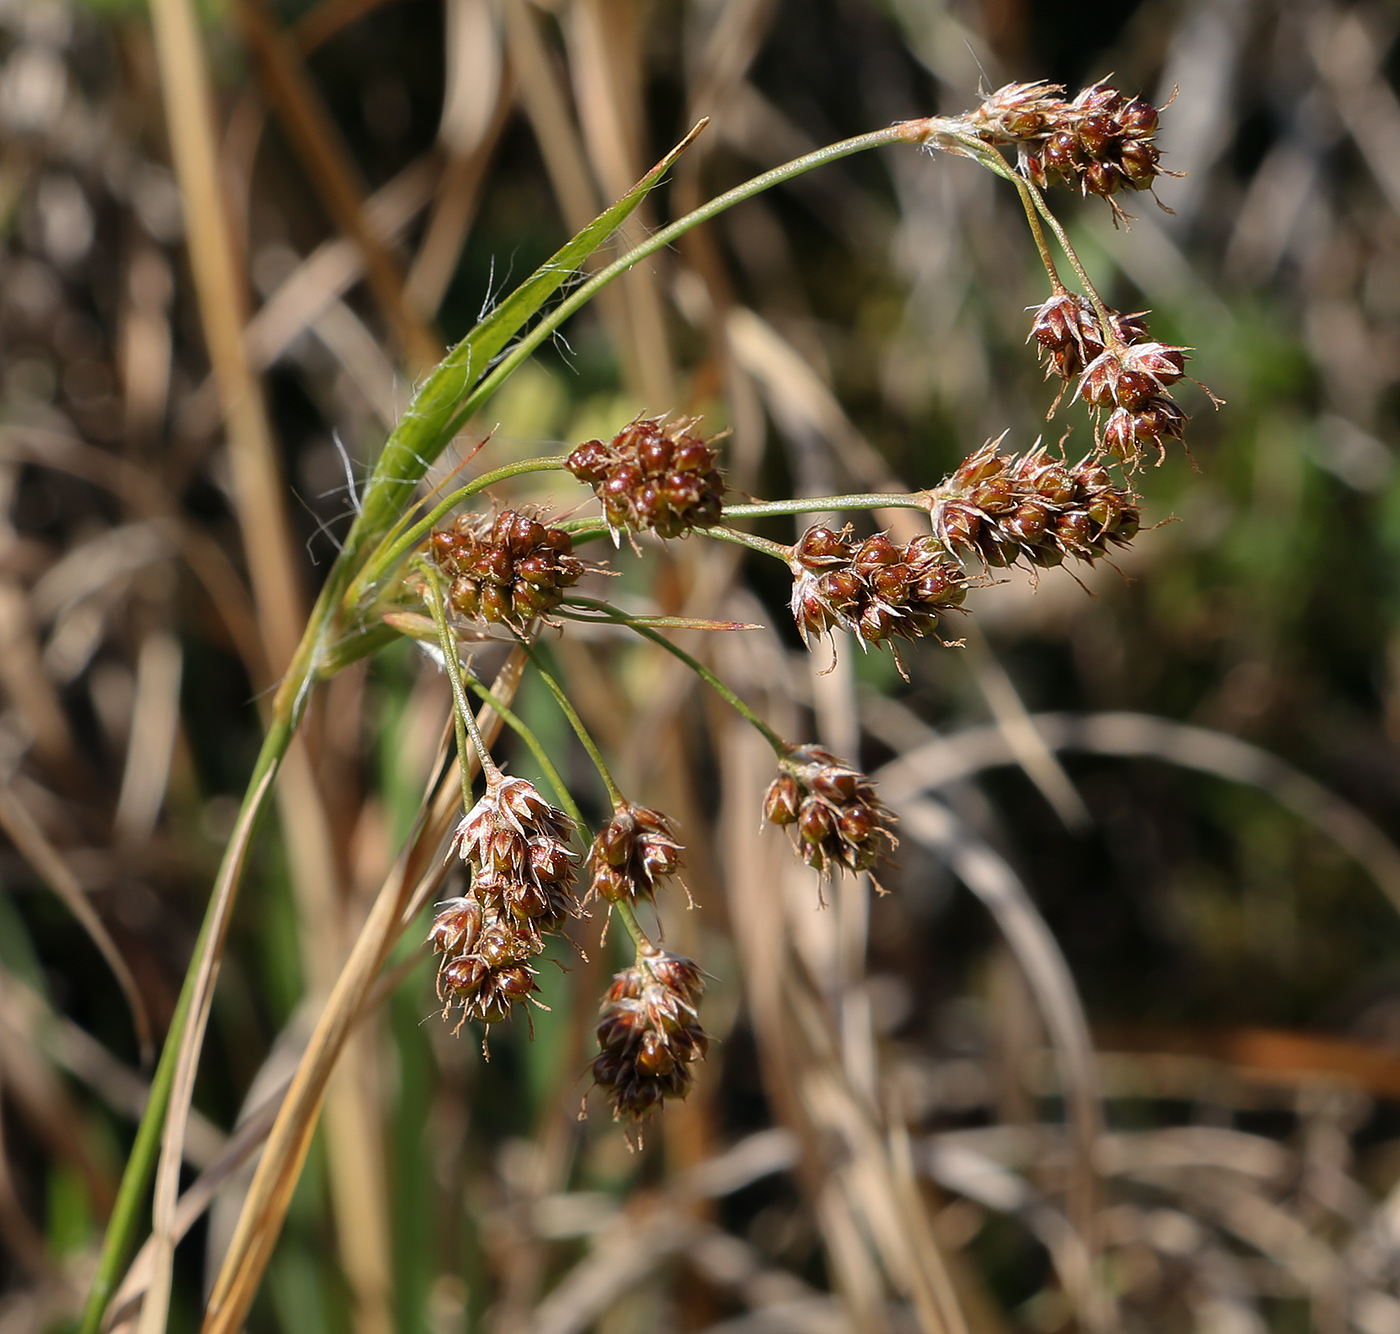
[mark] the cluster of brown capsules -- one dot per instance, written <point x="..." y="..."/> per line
<point x="1002" y="508"/>
<point x="873" y="587"/>
<point x="632" y="854"/>
<point x="517" y="847"/>
<point x="653" y="474"/>
<point x="830" y="810"/>
<point x="1126" y="374"/>
<point x="1101" y="141"/>
<point x="649" y="1036"/>
<point x="509" y="570"/>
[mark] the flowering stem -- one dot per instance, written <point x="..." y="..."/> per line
<point x="780" y="747"/>
<point x="634" y="928"/>
<point x="584" y="530"/>
<point x="820" y="504"/>
<point x="754" y="543"/>
<point x="524" y="732"/>
<point x="1030" y="195"/>
<point x="913" y="131"/>
<point x="567" y="709"/>
<point x="463" y="721"/>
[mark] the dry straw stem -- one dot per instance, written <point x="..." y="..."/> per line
<point x="219" y="1167"/>
<point x="262" y="518"/>
<point x="1138" y="735"/>
<point x="200" y="993"/>
<point x="36" y="849"/>
<point x="269" y="1195"/>
<point x="1052" y="983"/>
<point x="330" y="167"/>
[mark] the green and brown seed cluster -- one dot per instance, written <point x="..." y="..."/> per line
<point x="1101" y="141"/>
<point x="632" y="854"/>
<point x="653" y="474"/>
<point x="1001" y="508"/>
<point x="522" y="871"/>
<point x="830" y="810"/>
<point x="508" y="570"/>
<point x="649" y="1035"/>
<point x="874" y="587"/>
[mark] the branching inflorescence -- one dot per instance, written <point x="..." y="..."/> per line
<point x="512" y="570"/>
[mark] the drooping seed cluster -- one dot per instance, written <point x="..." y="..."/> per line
<point x="1128" y="375"/>
<point x="874" y="588"/>
<point x="522" y="870"/>
<point x="830" y="810"/>
<point x="632" y="854"/>
<point x="653" y="474"/>
<point x="1101" y="141"/>
<point x="650" y="1035"/>
<point x="510" y="569"/>
<point x="1002" y="508"/>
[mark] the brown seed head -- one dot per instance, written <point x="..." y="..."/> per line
<point x="649" y="1035"/>
<point x="632" y="854"/>
<point x="653" y="474"/>
<point x="510" y="569"/>
<point x="1003" y="508"/>
<point x="875" y="588"/>
<point x="837" y="819"/>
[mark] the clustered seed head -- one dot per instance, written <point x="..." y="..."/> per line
<point x="1129" y="378"/>
<point x="653" y="474"/>
<point x="632" y="854"/>
<point x="650" y="1034"/>
<point x="1002" y="508"/>
<point x="509" y="569"/>
<point x="874" y="588"/>
<point x="1102" y="141"/>
<point x="830" y="810"/>
<point x="1067" y="330"/>
<point x="522" y="870"/>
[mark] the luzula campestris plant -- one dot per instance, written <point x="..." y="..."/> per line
<point x="657" y="476"/>
<point x="511" y="573"/>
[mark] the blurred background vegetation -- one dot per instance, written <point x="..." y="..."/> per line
<point x="1234" y="943"/>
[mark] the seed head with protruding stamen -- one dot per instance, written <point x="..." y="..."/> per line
<point x="830" y="811"/>
<point x="875" y="588"/>
<point x="632" y="854"/>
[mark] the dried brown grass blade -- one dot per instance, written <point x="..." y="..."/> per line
<point x="1139" y="735"/>
<point x="155" y="1310"/>
<point x="35" y="848"/>
<point x="1052" y="983"/>
<point x="1016" y="724"/>
<point x="332" y="170"/>
<point x="416" y="874"/>
<point x="155" y="720"/>
<point x="476" y="107"/>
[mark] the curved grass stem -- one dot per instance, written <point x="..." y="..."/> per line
<point x="780" y="747"/>
<point x="585" y="738"/>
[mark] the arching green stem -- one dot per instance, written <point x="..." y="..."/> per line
<point x="567" y="709"/>
<point x="780" y="747"/>
<point x="463" y="721"/>
<point x="527" y="735"/>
